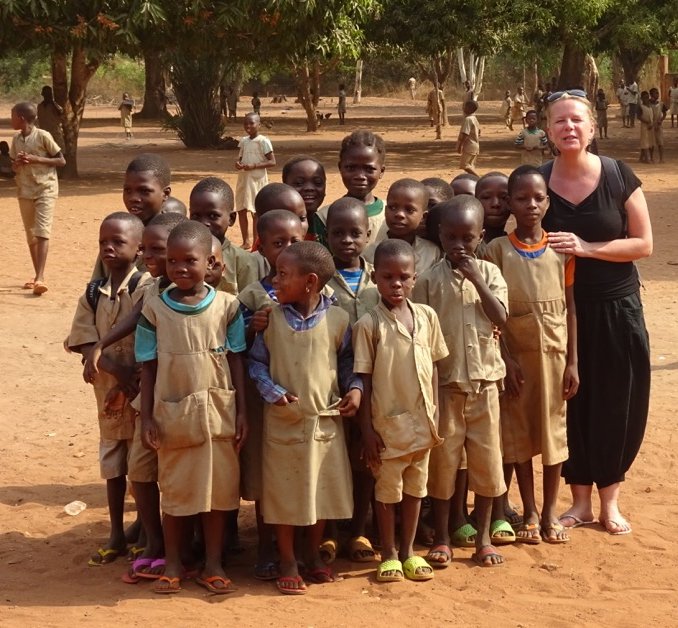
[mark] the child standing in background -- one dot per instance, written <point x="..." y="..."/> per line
<point x="532" y="141"/>
<point x="468" y="142"/>
<point x="539" y="347"/>
<point x="104" y="304"/>
<point x="307" y="176"/>
<point x="646" y="119"/>
<point x="190" y="341"/>
<point x="659" y="111"/>
<point x="305" y="410"/>
<point x="508" y="109"/>
<point x="361" y="165"/>
<point x="256" y="103"/>
<point x="396" y="347"/>
<point x="601" y="114"/>
<point x="211" y="203"/>
<point x="406" y="204"/>
<point x="35" y="157"/>
<point x="256" y="155"/>
<point x="126" y="109"/>
<point x="341" y="103"/>
<point x="6" y="171"/>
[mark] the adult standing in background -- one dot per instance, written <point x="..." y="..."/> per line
<point x="632" y="99"/>
<point x="621" y="97"/>
<point x="412" y="86"/>
<point x="599" y="214"/>
<point x="49" y="116"/>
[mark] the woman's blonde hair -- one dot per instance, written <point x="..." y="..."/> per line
<point x="567" y="96"/>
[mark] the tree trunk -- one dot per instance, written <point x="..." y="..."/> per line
<point x="591" y="76"/>
<point x="571" y="67"/>
<point x="439" y="104"/>
<point x="155" y="103"/>
<point x="358" y="89"/>
<point x="632" y="61"/>
<point x="315" y="91"/>
<point x="306" y="98"/>
<point x="71" y="98"/>
<point x="480" y="73"/>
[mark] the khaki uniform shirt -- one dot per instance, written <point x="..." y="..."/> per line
<point x="240" y="269"/>
<point x="89" y="327"/>
<point x="403" y="413"/>
<point x="426" y="254"/>
<point x="35" y="180"/>
<point x="474" y="351"/>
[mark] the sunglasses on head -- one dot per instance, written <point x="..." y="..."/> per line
<point x="579" y="93"/>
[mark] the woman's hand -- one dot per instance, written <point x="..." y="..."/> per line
<point x="567" y="243"/>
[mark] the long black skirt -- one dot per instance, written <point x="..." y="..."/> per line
<point x="606" y="419"/>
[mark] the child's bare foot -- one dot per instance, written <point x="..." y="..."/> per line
<point x="247" y="245"/>
<point x="487" y="556"/>
<point x="554" y="532"/>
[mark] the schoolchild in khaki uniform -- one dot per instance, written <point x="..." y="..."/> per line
<point x="470" y="298"/>
<point x="145" y="190"/>
<point x="396" y="346"/>
<point x="277" y="196"/>
<point x="355" y="293"/>
<point x="211" y="203"/>
<point x="540" y="352"/>
<point x="362" y="159"/>
<point x="303" y="367"/>
<point x="101" y="307"/>
<point x="35" y="157"/>
<point x="406" y="205"/>
<point x="277" y="230"/>
<point x="190" y="341"/>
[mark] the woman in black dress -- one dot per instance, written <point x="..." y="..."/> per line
<point x="599" y="214"/>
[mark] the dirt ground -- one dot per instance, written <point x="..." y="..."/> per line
<point x="49" y="448"/>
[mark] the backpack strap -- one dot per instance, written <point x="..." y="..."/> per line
<point x="92" y="292"/>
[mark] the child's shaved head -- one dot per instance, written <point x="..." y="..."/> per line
<point x="219" y="187"/>
<point x="135" y="225"/>
<point x="150" y="162"/>
<point x="462" y="204"/>
<point x="278" y="196"/>
<point x="392" y="247"/>
<point x="26" y="110"/>
<point x="312" y="257"/>
<point x="274" y="218"/>
<point x="194" y="232"/>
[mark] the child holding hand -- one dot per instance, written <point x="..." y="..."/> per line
<point x="306" y="472"/>
<point x="256" y="155"/>
<point x="396" y="347"/>
<point x="539" y="346"/>
<point x="190" y="341"/>
<point x="278" y="229"/>
<point x="104" y="304"/>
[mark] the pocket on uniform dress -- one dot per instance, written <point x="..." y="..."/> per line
<point x="554" y="331"/>
<point x="284" y="425"/>
<point x="523" y="333"/>
<point x="183" y="423"/>
<point x="396" y="430"/>
<point x="326" y="427"/>
<point x="221" y="414"/>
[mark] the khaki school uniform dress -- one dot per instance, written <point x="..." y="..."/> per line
<point x="37" y="185"/>
<point x="252" y="151"/>
<point x="402" y="403"/>
<point x="142" y="463"/>
<point x="646" y="119"/>
<point x="240" y="269"/>
<point x="355" y="304"/>
<point x="426" y="254"/>
<point x="254" y="297"/>
<point x="536" y="337"/>
<point x="198" y="469"/>
<point x="306" y="473"/>
<point x="116" y="426"/>
<point x="468" y="379"/>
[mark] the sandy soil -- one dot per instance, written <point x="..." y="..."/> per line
<point x="49" y="448"/>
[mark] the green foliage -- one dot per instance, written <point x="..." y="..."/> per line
<point x="117" y="75"/>
<point x="23" y="75"/>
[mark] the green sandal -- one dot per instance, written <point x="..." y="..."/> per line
<point x="465" y="536"/>
<point x="413" y="563"/>
<point x="497" y="527"/>
<point x="390" y="565"/>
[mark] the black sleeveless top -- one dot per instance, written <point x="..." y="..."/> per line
<point x="597" y="219"/>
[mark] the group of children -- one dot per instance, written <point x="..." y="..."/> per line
<point x="353" y="361"/>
